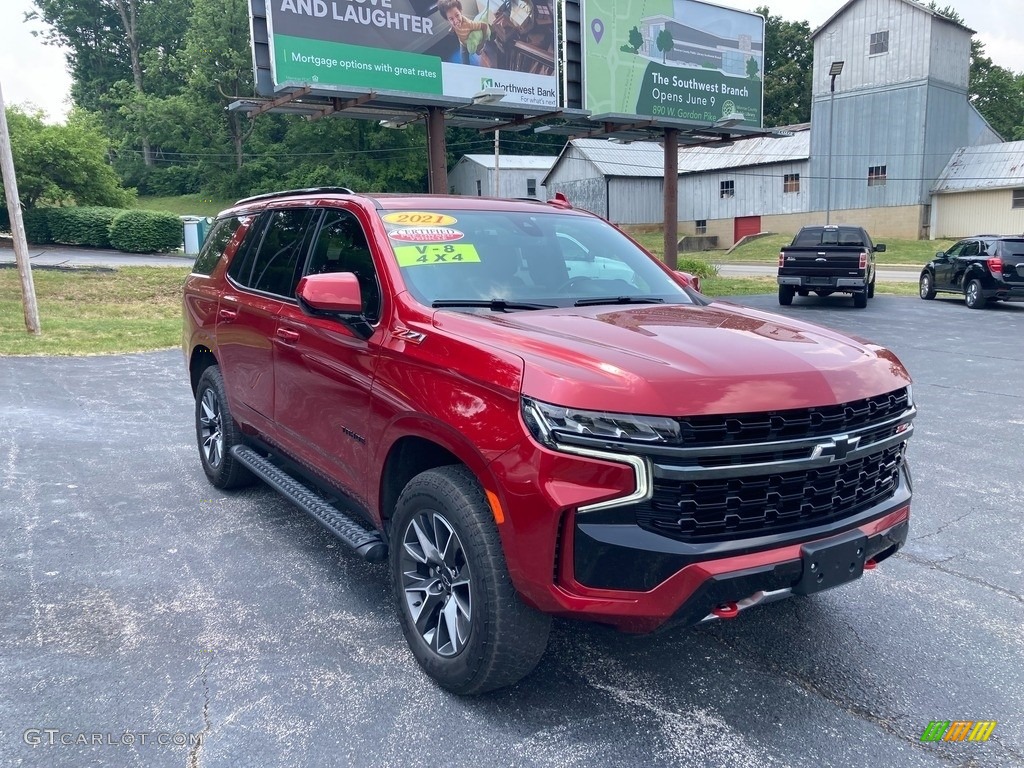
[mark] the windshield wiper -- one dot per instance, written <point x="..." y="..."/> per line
<point x="618" y="300"/>
<point x="495" y="305"/>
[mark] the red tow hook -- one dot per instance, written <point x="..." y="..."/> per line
<point x="728" y="610"/>
<point x="870" y="565"/>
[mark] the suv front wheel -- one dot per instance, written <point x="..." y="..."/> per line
<point x="462" y="618"/>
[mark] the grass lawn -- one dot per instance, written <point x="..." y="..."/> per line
<point x="183" y="205"/>
<point x="92" y="312"/>
<point x="915" y="253"/>
<point x="134" y="309"/>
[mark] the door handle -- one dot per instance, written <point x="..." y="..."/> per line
<point x="227" y="315"/>
<point x="287" y="336"/>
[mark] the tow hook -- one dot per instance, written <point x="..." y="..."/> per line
<point x="726" y="611"/>
<point x="870" y="565"/>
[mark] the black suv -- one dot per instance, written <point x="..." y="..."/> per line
<point x="982" y="268"/>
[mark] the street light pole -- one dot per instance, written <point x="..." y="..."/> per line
<point x="497" y="187"/>
<point x="834" y="71"/>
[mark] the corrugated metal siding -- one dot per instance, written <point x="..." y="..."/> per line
<point x="757" y="192"/>
<point x="847" y="39"/>
<point x="946" y="130"/>
<point x="992" y="166"/>
<point x="884" y="127"/>
<point x="950" y="54"/>
<point x="540" y="163"/>
<point x="636" y="201"/>
<point x="968" y="213"/>
<point x="979" y="132"/>
<point x="572" y="165"/>
<point x="511" y="182"/>
<point x="588" y="194"/>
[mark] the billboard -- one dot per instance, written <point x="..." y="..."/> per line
<point x="437" y="50"/>
<point x="672" y="59"/>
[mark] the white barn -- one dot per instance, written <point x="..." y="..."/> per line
<point x="518" y="176"/>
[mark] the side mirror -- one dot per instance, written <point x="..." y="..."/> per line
<point x="941" y="255"/>
<point x="335" y="295"/>
<point x="336" y="292"/>
<point x="879" y="247"/>
<point x="688" y="280"/>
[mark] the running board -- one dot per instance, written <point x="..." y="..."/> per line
<point x="366" y="542"/>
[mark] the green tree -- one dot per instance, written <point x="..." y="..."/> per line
<point x="752" y="71"/>
<point x="665" y="43"/>
<point x="63" y="163"/>
<point x="788" y="67"/>
<point x="636" y="40"/>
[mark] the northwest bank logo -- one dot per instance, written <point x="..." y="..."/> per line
<point x="958" y="730"/>
<point x="518" y="90"/>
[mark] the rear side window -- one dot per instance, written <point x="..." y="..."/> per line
<point x="217" y="241"/>
<point x="275" y="266"/>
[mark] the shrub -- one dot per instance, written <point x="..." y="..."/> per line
<point x="37" y="225"/>
<point x="140" y="231"/>
<point x="698" y="267"/>
<point x="5" y="219"/>
<point x="88" y="226"/>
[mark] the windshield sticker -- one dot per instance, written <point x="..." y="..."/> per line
<point x="415" y="255"/>
<point x="420" y="219"/>
<point x="426" y="235"/>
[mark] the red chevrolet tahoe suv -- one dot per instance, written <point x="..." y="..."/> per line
<point x="529" y="416"/>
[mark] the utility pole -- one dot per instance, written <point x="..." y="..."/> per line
<point x="671" y="213"/>
<point x="28" y="289"/>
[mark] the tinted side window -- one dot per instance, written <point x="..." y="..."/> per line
<point x="222" y="233"/>
<point x="341" y="246"/>
<point x="971" y="249"/>
<point x="275" y="267"/>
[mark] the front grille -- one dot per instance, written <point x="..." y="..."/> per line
<point x="756" y="505"/>
<point x="700" y="431"/>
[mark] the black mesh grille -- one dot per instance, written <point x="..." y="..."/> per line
<point x="770" y="426"/>
<point x="705" y="510"/>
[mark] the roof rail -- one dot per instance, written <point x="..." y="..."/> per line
<point x="290" y="192"/>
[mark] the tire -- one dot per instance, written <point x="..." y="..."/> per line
<point x="926" y="289"/>
<point x="973" y="296"/>
<point x="448" y="570"/>
<point x="871" y="289"/>
<point x="217" y="433"/>
<point x="860" y="300"/>
<point x="786" y="295"/>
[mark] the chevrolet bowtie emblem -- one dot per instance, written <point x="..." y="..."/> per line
<point x="836" y="449"/>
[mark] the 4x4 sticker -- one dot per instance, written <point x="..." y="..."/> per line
<point x="426" y="235"/>
<point x="420" y="219"/>
<point x="415" y="255"/>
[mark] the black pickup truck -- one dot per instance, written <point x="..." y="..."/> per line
<point x="826" y="260"/>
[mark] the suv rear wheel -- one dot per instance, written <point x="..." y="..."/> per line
<point x="462" y="618"/>
<point x="217" y="433"/>
<point x="973" y="296"/>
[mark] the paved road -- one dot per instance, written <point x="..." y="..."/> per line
<point x="134" y="597"/>
<point x="67" y="256"/>
<point x="885" y="274"/>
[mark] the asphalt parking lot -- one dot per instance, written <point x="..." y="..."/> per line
<point x="138" y="604"/>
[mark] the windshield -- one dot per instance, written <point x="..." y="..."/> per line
<point x="508" y="260"/>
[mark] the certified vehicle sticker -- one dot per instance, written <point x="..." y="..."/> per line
<point x="420" y="219"/>
<point x="426" y="235"/>
<point x="416" y="255"/>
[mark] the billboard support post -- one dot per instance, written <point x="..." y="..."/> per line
<point x="671" y="245"/>
<point x="437" y="151"/>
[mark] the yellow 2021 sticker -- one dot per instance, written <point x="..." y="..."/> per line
<point x="436" y="253"/>
<point x="420" y="218"/>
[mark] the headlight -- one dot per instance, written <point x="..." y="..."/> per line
<point x="910" y="395"/>
<point x="547" y="421"/>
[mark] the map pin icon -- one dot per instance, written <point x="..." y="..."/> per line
<point x="597" y="27"/>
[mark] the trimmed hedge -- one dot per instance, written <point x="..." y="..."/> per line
<point x="139" y="231"/>
<point x="87" y="225"/>
<point x="37" y="225"/>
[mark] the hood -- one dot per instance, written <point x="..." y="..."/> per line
<point x="677" y="360"/>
